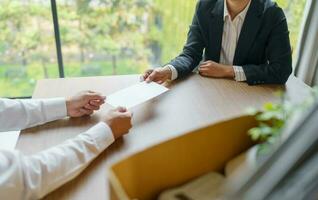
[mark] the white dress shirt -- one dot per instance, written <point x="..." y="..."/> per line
<point x="32" y="177"/>
<point x="231" y="33"/>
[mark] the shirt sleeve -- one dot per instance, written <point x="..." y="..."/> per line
<point x="174" y="72"/>
<point x="21" y="114"/>
<point x="32" y="177"/>
<point x="239" y="73"/>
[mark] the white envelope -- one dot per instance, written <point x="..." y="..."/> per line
<point x="135" y="95"/>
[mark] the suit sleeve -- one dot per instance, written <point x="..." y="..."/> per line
<point x="191" y="56"/>
<point x="278" y="67"/>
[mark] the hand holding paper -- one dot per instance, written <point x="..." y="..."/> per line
<point x="136" y="94"/>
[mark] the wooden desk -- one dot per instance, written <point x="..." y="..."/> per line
<point x="191" y="103"/>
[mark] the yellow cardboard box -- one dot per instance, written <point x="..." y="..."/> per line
<point x="145" y="175"/>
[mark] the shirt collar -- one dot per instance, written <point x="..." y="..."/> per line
<point x="241" y="15"/>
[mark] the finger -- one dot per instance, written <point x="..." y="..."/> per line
<point x="202" y="67"/>
<point x="143" y="77"/>
<point x="86" y="112"/>
<point x="96" y="102"/>
<point x="91" y="107"/>
<point x="206" y="62"/>
<point x="203" y="70"/>
<point x="94" y="96"/>
<point x="151" y="77"/>
<point x="206" y="65"/>
<point x="94" y="93"/>
<point x="121" y="109"/>
<point x="206" y="68"/>
<point x="157" y="80"/>
<point x="127" y="114"/>
<point x="147" y="73"/>
<point x="207" y="74"/>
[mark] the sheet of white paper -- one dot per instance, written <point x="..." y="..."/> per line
<point x="136" y="94"/>
<point x="8" y="140"/>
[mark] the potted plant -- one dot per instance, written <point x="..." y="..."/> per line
<point x="272" y="120"/>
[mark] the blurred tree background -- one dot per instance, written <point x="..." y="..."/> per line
<point x="99" y="37"/>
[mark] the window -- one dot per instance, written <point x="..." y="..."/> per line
<point x="105" y="37"/>
<point x="121" y="37"/>
<point x="98" y="37"/>
<point x="294" y="11"/>
<point x="27" y="50"/>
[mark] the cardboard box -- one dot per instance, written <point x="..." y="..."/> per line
<point x="145" y="175"/>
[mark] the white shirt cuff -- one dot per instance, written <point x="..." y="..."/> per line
<point x="174" y="72"/>
<point x="102" y="134"/>
<point x="239" y="73"/>
<point x="54" y="108"/>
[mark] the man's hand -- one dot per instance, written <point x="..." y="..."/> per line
<point x="216" y="70"/>
<point x="84" y="103"/>
<point x="119" y="120"/>
<point x="159" y="75"/>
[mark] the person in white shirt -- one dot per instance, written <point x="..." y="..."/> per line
<point x="34" y="176"/>
<point x="244" y="40"/>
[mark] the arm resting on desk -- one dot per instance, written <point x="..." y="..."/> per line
<point x="32" y="177"/>
<point x="191" y="56"/>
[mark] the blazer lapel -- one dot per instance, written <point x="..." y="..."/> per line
<point x="249" y="31"/>
<point x="216" y="30"/>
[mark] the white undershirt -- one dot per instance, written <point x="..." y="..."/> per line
<point x="231" y="33"/>
<point x="32" y="177"/>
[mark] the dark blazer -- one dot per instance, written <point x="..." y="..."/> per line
<point x="263" y="49"/>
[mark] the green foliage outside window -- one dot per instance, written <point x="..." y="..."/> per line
<point x="99" y="37"/>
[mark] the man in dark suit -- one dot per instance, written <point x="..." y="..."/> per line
<point x="246" y="40"/>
